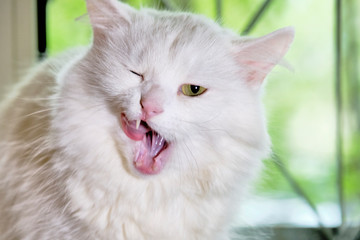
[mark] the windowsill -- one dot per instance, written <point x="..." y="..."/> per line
<point x="291" y="219"/>
<point x="282" y="233"/>
<point x="287" y="212"/>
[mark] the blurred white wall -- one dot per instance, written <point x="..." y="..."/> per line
<point x="17" y="40"/>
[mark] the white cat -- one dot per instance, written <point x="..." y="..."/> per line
<point x="153" y="132"/>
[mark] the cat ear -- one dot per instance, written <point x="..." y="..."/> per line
<point x="108" y="14"/>
<point x="257" y="57"/>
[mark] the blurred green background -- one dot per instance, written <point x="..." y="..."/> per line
<point x="300" y="104"/>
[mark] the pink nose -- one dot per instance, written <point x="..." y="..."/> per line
<point x="150" y="108"/>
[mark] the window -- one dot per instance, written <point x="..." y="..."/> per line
<point x="17" y="40"/>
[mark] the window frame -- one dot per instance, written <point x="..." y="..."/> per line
<point x="18" y="40"/>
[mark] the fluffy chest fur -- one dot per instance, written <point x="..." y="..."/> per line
<point x="154" y="210"/>
<point x="153" y="132"/>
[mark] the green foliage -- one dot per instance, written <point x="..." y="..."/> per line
<point x="352" y="168"/>
<point x="66" y="26"/>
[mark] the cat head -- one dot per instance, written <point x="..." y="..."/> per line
<point x="184" y="91"/>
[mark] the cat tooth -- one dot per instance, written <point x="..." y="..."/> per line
<point x="138" y="124"/>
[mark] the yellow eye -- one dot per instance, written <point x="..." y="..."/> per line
<point x="192" y="90"/>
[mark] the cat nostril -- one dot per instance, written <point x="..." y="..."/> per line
<point x="150" y="108"/>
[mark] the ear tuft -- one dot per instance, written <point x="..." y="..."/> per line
<point x="258" y="56"/>
<point x="108" y="14"/>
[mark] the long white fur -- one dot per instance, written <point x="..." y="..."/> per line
<point x="66" y="167"/>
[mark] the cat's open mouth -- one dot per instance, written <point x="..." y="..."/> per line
<point x="151" y="154"/>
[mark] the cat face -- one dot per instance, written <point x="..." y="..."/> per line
<point x="179" y="86"/>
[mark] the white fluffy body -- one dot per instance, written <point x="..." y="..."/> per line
<point x="66" y="165"/>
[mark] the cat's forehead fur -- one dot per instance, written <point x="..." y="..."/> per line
<point x="178" y="28"/>
<point x="185" y="40"/>
<point x="165" y="39"/>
